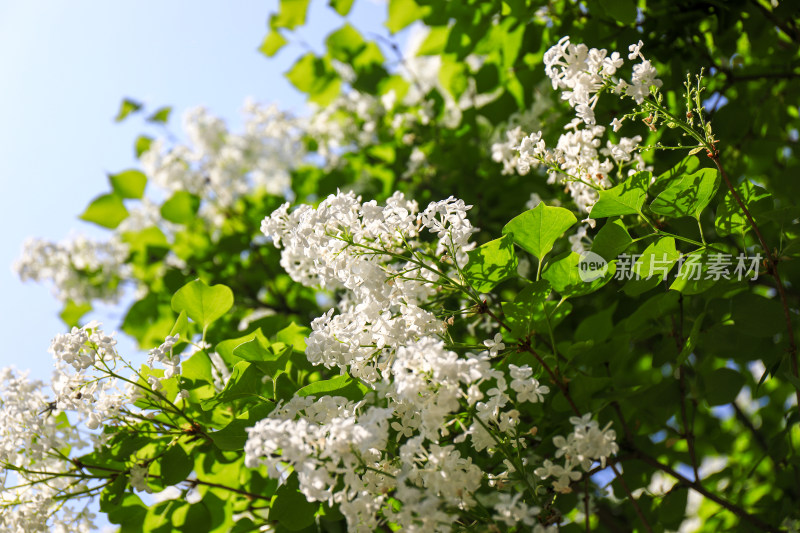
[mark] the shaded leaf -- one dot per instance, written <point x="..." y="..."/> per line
<point x="722" y="386"/>
<point x="612" y="239"/>
<point x="687" y="195"/>
<point x="624" y="199"/>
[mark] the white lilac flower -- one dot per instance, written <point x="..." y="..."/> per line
<point x="635" y="50"/>
<point x="511" y="510"/>
<point x="495" y="345"/>
<point x="528" y="388"/>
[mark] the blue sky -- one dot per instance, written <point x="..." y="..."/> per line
<point x="65" y="68"/>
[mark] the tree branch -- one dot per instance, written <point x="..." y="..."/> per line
<point x="697" y="487"/>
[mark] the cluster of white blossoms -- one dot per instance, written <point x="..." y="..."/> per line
<point x="31" y="484"/>
<point x="585" y="446"/>
<point x="36" y="477"/>
<point x="580" y="161"/>
<point x="84" y="358"/>
<point x="221" y="166"/>
<point x="87" y="382"/>
<point x="347" y="244"/>
<point x="79" y="268"/>
<point x="382" y="261"/>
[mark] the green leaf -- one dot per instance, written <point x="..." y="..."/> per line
<point x="112" y="494"/>
<point x="226" y="347"/>
<point x="612" y="239"/>
<point x="316" y="77"/>
<point x="623" y="11"/>
<point x="131" y="510"/>
<point x="160" y="116"/>
<point x="128" y="183"/>
<point x="345" y="43"/>
<point x="180" y="324"/>
<point x="234" y="436"/>
<point x="291" y="14"/>
<point x="672" y="510"/>
<point x="537" y="230"/>
<point x="245" y="383"/>
<point x="597" y="327"/>
<point x="197" y="377"/>
<point x="564" y="275"/>
<point x="532" y="311"/>
<point x="341" y="6"/>
<point x="722" y="386"/>
<point x="268" y="361"/>
<point x="290" y="508"/>
<point x="687" y="165"/>
<point x="688" y="195"/>
<point x="193" y="517"/>
<point x="149" y="321"/>
<point x="491" y="263"/>
<point x="197" y="367"/>
<point x="294" y="336"/>
<point x="693" y="276"/>
<point x="127" y="107"/>
<point x="404" y="12"/>
<point x="175" y="465"/>
<point x="273" y="42"/>
<point x="691" y="340"/>
<point x="338" y="386"/>
<point x="202" y="303"/>
<point x="453" y="75"/>
<point x="181" y="208"/>
<point x="72" y="313"/>
<point x="142" y="144"/>
<point x="757" y="316"/>
<point x="106" y="210"/>
<point x="731" y="218"/>
<point x="435" y="42"/>
<point x="624" y="199"/>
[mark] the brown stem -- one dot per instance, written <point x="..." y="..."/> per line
<point x="586" y="502"/>
<point x="632" y="499"/>
<point x="773" y="267"/>
<point x="484" y="308"/>
<point x="697" y="487"/>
